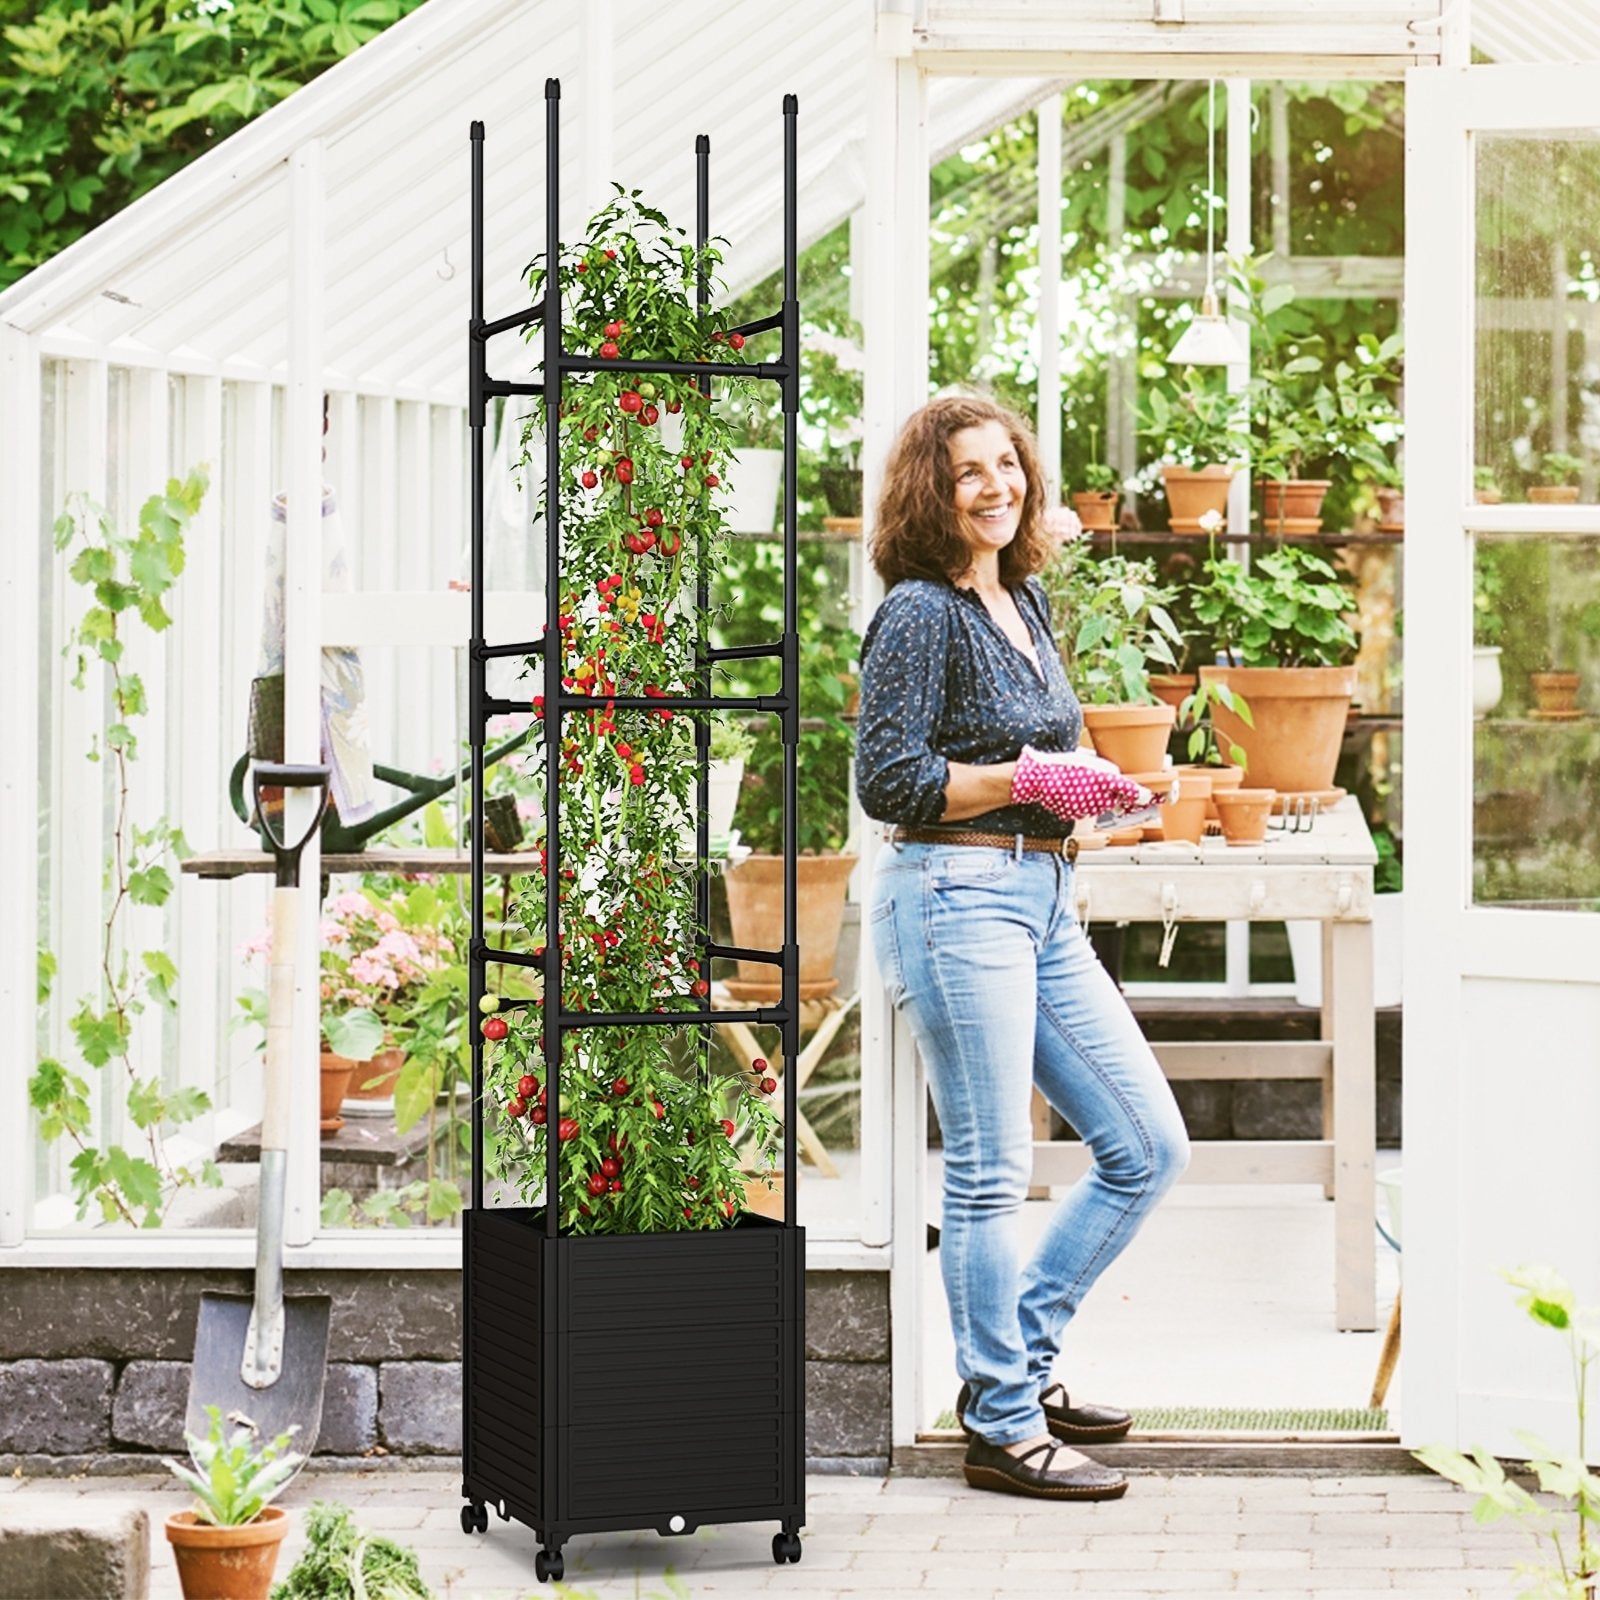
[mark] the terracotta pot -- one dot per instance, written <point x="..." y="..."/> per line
<point x="1172" y="688"/>
<point x="1299" y="717"/>
<point x="1191" y="492"/>
<point x="1158" y="783"/>
<point x="1294" y="505"/>
<point x="760" y="1199"/>
<point x="336" y="1072"/>
<point x="1133" y="738"/>
<point x="1487" y="497"/>
<point x="1553" y="494"/>
<point x="1555" y="692"/>
<point x="375" y="1079"/>
<point x="1244" y="813"/>
<point x="1185" y="817"/>
<point x="226" y="1563"/>
<point x="1391" y="511"/>
<point x="755" y="908"/>
<point x="1222" y="778"/>
<point x="1097" y="509"/>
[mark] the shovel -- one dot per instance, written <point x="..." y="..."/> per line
<point x="263" y="1354"/>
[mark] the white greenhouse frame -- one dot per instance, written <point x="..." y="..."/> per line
<point x="323" y="249"/>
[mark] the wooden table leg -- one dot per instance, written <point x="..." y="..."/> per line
<point x="1325" y="1032"/>
<point x="1355" y="1127"/>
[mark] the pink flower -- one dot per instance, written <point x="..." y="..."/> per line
<point x="351" y="904"/>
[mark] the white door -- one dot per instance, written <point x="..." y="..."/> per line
<point x="1502" y="810"/>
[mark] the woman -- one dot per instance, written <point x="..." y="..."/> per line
<point x="973" y="928"/>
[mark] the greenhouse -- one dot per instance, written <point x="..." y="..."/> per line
<point x="279" y="493"/>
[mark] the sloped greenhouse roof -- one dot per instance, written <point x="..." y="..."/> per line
<point x="194" y="273"/>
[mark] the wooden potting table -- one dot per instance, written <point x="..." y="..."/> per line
<point x="1322" y="875"/>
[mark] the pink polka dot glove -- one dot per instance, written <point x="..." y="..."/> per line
<point x="1073" y="785"/>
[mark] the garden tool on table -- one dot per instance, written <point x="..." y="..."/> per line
<point x="266" y="1354"/>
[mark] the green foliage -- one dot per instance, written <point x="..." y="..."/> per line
<point x="1199" y="424"/>
<point x="651" y="1155"/>
<point x="233" y="1479"/>
<point x="130" y="579"/>
<point x="340" y="1562"/>
<point x="355" y="1034"/>
<point x="1549" y="1301"/>
<point x="1116" y="621"/>
<point x="100" y="100"/>
<point x="1558" y="468"/>
<point x="1289" y="610"/>
<point x="1198" y="714"/>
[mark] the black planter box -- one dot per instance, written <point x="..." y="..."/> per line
<point x="633" y="1381"/>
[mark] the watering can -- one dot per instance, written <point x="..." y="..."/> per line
<point x="350" y="838"/>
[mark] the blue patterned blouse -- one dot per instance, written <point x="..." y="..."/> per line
<point x="941" y="682"/>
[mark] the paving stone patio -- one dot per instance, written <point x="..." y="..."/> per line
<point x="1290" y="1538"/>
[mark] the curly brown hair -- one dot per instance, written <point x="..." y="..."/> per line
<point x="917" y="532"/>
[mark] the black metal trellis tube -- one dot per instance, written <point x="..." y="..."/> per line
<point x="790" y="314"/>
<point x="703" y="659"/>
<point x="554" y="1051"/>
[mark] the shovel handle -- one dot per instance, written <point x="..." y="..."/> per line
<point x="280" y="1021"/>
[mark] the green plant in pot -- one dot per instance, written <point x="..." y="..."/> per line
<point x="1558" y="480"/>
<point x="1289" y="649"/>
<point x="829" y="662"/>
<point x="227" y="1546"/>
<point x="1486" y="486"/>
<point x="1199" y="428"/>
<point x="1555" y="690"/>
<point x="1096" y="502"/>
<point x="1116" y="625"/>
<point x="832" y="370"/>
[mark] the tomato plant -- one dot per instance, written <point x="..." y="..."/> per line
<point x="644" y="1140"/>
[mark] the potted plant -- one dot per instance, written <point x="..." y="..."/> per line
<point x="1290" y="421"/>
<point x="1200" y="431"/>
<point x="1096" y="502"/>
<point x="731" y="745"/>
<point x="1205" y="748"/>
<point x="1485" y="486"/>
<point x="227" y="1546"/>
<point x="833" y="365"/>
<point x="754" y="473"/>
<point x="1558" y="480"/>
<point x="822" y="871"/>
<point x="1116" y="623"/>
<point x="1555" y="690"/>
<point x="1290" y="649"/>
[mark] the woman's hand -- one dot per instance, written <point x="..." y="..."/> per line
<point x="1075" y="787"/>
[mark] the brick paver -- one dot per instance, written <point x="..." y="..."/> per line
<point x="1283" y="1538"/>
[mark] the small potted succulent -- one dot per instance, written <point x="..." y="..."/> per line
<point x="227" y="1546"/>
<point x="1200" y="431"/>
<point x="1558" y="480"/>
<point x="1096" y="501"/>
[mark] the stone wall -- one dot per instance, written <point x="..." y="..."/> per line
<point x="94" y="1365"/>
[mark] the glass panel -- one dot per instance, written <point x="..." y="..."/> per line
<point x="1537" y="426"/>
<point x="1536" y="740"/>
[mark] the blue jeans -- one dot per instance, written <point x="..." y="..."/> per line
<point x="981" y="949"/>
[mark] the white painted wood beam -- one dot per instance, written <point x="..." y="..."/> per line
<point x="598" y="108"/>
<point x="302" y="738"/>
<point x="21" y="530"/>
<point x="1048" y="423"/>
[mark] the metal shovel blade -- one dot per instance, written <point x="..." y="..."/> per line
<point x="293" y="1398"/>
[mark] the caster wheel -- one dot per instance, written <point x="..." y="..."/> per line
<point x="548" y="1566"/>
<point x="475" y="1518"/>
<point x="785" y="1547"/>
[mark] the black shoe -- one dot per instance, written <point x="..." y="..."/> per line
<point x="991" y="1466"/>
<point x="1069" y="1423"/>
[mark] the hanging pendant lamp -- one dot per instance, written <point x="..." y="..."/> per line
<point x="1209" y="341"/>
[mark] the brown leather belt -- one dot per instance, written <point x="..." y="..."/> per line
<point x="994" y="841"/>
